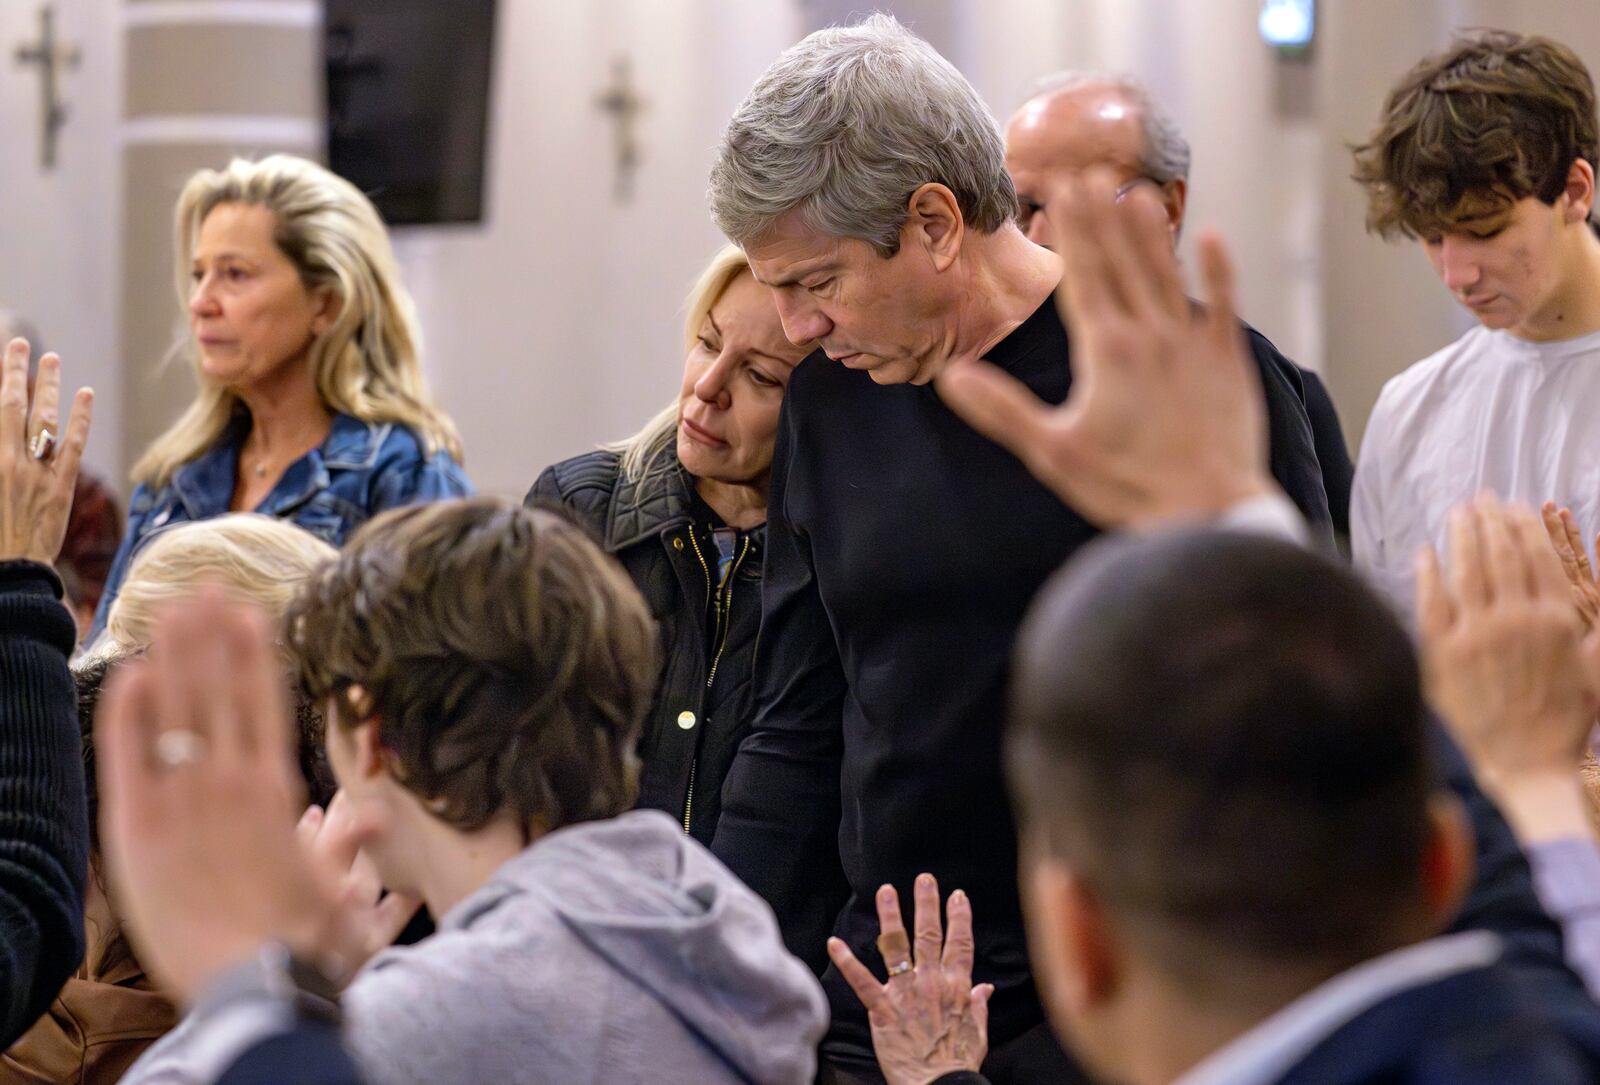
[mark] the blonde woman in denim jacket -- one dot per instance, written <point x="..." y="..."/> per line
<point x="312" y="405"/>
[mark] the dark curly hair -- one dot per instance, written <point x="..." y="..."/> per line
<point x="1466" y="133"/>
<point x="508" y="661"/>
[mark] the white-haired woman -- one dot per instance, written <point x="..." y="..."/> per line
<point x="312" y="404"/>
<point x="683" y="505"/>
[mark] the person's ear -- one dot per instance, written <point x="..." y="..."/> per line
<point x="366" y="736"/>
<point x="1067" y="928"/>
<point x="328" y="306"/>
<point x="1175" y="198"/>
<point x="934" y="223"/>
<point x="371" y="757"/>
<point x="1579" y="192"/>
<point x="1448" y="860"/>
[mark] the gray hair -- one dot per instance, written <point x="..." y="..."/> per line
<point x="845" y="126"/>
<point x="1165" y="156"/>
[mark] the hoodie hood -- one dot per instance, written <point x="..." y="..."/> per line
<point x="660" y="909"/>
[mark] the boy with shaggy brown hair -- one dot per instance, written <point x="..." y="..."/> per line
<point x="486" y="669"/>
<point x="1487" y="154"/>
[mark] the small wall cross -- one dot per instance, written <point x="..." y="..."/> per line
<point x="624" y="107"/>
<point x="51" y="56"/>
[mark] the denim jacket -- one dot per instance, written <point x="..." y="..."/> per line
<point x="360" y="470"/>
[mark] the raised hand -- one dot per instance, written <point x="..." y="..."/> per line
<point x="1562" y="528"/>
<point x="38" y="462"/>
<point x="199" y="798"/>
<point x="928" y="1019"/>
<point x="1507" y="663"/>
<point x="1165" y="420"/>
<point x="368" y="920"/>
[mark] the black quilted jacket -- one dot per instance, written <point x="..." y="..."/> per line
<point x="708" y="628"/>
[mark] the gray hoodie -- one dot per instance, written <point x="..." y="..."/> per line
<point x="606" y="953"/>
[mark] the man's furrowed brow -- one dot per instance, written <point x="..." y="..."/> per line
<point x="794" y="275"/>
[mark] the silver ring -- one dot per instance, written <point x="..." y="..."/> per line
<point x="899" y="968"/>
<point x="44" y="444"/>
<point x="180" y="747"/>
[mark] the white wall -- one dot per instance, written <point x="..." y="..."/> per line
<point x="59" y="231"/>
<point x="556" y="324"/>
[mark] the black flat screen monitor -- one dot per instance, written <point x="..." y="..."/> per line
<point x="408" y="103"/>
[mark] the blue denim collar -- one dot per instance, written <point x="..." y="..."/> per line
<point x="352" y="444"/>
<point x="205" y="485"/>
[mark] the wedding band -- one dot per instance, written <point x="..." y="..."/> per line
<point x="899" y="968"/>
<point x="44" y="445"/>
<point x="179" y="747"/>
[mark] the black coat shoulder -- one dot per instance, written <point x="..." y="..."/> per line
<point x="582" y="486"/>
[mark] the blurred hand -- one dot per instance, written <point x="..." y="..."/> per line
<point x="1507" y="664"/>
<point x="1562" y="528"/>
<point x="199" y="797"/>
<point x="927" y="1020"/>
<point x="1165" y="420"/>
<point x="368" y="920"/>
<point x="36" y="494"/>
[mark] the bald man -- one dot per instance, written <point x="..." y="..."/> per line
<point x="1075" y="121"/>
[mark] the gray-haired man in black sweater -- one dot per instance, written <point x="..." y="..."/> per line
<point x="867" y="184"/>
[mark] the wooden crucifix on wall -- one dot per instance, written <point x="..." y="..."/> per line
<point x="624" y="106"/>
<point x="51" y="56"/>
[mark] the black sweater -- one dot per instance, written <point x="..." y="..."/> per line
<point x="902" y="551"/>
<point x="44" y="830"/>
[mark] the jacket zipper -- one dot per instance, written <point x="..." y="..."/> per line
<point x="719" y="634"/>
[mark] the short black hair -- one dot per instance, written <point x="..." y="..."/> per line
<point x="1223" y="735"/>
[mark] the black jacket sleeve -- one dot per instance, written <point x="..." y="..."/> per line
<point x="309" y="1054"/>
<point x="1293" y="451"/>
<point x="779" y="829"/>
<point x="1338" y="473"/>
<point x="44" y="829"/>
<point x="1502" y="898"/>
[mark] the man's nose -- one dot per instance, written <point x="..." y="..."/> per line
<point x="802" y="321"/>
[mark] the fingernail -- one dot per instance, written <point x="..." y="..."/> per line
<point x="924" y="880"/>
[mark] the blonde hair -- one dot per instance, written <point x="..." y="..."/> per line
<point x="366" y="363"/>
<point x="646" y="452"/>
<point x="256" y="559"/>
